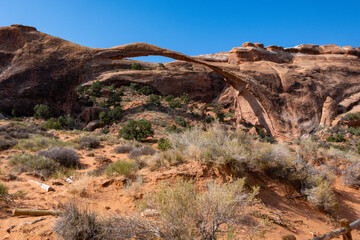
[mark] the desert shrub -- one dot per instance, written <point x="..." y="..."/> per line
<point x="209" y="119"/>
<point x="175" y="103"/>
<point x="123" y="149"/>
<point x="188" y="214"/>
<point x="42" y="111"/>
<point x="52" y="124"/>
<point x="3" y="190"/>
<point x="89" y="142"/>
<point x="105" y="130"/>
<point x="166" y="158"/>
<point x="354" y="131"/>
<point x="146" y="90"/>
<point x="77" y="224"/>
<point x="95" y="89"/>
<point x="172" y="129"/>
<point x="185" y="98"/>
<point x="351" y="173"/>
<point x="140" y="151"/>
<point x="40" y="165"/>
<point x="112" y="115"/>
<point x="163" y="144"/>
<point x="322" y="196"/>
<point x="350" y="116"/>
<point x="242" y="154"/>
<point x="6" y="144"/>
<point x="115" y="98"/>
<point x="359" y="148"/>
<point x="66" y="157"/>
<point x="138" y="130"/>
<point x="67" y="122"/>
<point x="37" y="142"/>
<point x="169" y="98"/>
<point x="136" y="66"/>
<point x="220" y="116"/>
<point x="81" y="90"/>
<point x="180" y="121"/>
<point x="120" y="168"/>
<point x="336" y="138"/>
<point x="154" y="99"/>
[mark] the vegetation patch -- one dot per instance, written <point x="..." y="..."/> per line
<point x="137" y="130"/>
<point x="66" y="157"/>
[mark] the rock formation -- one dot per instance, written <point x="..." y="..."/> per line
<point x="284" y="90"/>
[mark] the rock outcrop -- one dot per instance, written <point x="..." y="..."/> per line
<point x="284" y="90"/>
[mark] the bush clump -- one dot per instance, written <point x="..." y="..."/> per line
<point x="77" y="224"/>
<point x="3" y="190"/>
<point x="136" y="66"/>
<point x="52" y="124"/>
<point x="169" y="98"/>
<point x="146" y="90"/>
<point x="154" y="99"/>
<point x="163" y="144"/>
<point x="6" y="144"/>
<point x="120" y="168"/>
<point x="175" y="103"/>
<point x="112" y="115"/>
<point x="39" y="165"/>
<point x="336" y="138"/>
<point x="123" y="149"/>
<point x="180" y="121"/>
<point x="42" y="111"/>
<point x="182" y="208"/>
<point x="89" y="142"/>
<point x="95" y="89"/>
<point x="66" y="157"/>
<point x="138" y="130"/>
<point x="140" y="151"/>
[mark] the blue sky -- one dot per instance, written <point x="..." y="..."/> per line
<point x="191" y="27"/>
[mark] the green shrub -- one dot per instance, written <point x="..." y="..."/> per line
<point x="154" y="99"/>
<point x="134" y="87"/>
<point x="169" y="98"/>
<point x="40" y="165"/>
<point x="185" y="98"/>
<point x="120" y="168"/>
<point x="42" y="111"/>
<point x="354" y="131"/>
<point x="175" y="103"/>
<point x="3" y="190"/>
<point x="146" y="90"/>
<point x="138" y="130"/>
<point x="67" y="122"/>
<point x="163" y="144"/>
<point x="81" y="90"/>
<point x="114" y="98"/>
<point x="359" y="148"/>
<point x="52" y="124"/>
<point x="136" y="66"/>
<point x="220" y="116"/>
<point x="209" y="119"/>
<point x="111" y="116"/>
<point x="105" y="130"/>
<point x="95" y="89"/>
<point x="336" y="138"/>
<point x="180" y="121"/>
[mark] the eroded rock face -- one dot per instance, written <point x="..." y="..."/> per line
<point x="283" y="90"/>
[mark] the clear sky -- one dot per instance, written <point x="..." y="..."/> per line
<point x="191" y="27"/>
